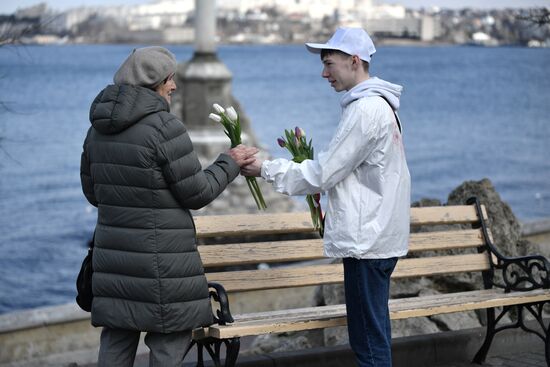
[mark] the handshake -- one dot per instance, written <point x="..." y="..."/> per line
<point x="294" y="140"/>
<point x="245" y="158"/>
<point x="242" y="154"/>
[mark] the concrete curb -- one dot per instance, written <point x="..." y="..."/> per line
<point x="535" y="227"/>
<point x="42" y="316"/>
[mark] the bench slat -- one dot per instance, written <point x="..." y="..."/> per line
<point x="445" y="240"/>
<point x="438" y="265"/>
<point x="252" y="224"/>
<point x="455" y="214"/>
<point x="288" y="277"/>
<point x="259" y="252"/>
<point x="301" y="250"/>
<point x="259" y="224"/>
<point x="335" y="315"/>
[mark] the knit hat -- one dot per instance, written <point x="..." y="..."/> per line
<point x="146" y="67"/>
<point x="353" y="41"/>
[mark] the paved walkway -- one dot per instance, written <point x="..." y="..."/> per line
<point x="511" y="348"/>
<point x="523" y="359"/>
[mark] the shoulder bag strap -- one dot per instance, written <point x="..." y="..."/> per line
<point x="394" y="113"/>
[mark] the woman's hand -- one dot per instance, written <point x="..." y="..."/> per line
<point x="243" y="154"/>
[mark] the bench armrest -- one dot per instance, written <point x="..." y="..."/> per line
<point x="218" y="294"/>
<point x="524" y="273"/>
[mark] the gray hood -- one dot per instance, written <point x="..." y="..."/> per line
<point x="374" y="87"/>
<point x="117" y="107"/>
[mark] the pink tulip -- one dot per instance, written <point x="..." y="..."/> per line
<point x="299" y="132"/>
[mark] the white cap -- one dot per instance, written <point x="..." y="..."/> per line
<point x="353" y="41"/>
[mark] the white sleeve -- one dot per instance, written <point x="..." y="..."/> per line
<point x="293" y="178"/>
<point x="357" y="138"/>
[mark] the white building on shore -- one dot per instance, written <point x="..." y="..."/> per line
<point x="170" y="18"/>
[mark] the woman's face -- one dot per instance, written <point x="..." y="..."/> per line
<point x="166" y="88"/>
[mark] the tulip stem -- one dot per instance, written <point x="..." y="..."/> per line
<point x="230" y="120"/>
<point x="256" y="192"/>
<point x="316" y="213"/>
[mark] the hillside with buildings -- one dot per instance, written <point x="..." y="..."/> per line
<point x="276" y="21"/>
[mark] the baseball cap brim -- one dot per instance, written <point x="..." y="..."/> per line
<point x="316" y="48"/>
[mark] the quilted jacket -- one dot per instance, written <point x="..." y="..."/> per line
<point x="139" y="168"/>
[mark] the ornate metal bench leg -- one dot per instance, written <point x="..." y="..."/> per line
<point x="214" y="353"/>
<point x="200" y="361"/>
<point x="482" y="352"/>
<point x="213" y="348"/>
<point x="232" y="351"/>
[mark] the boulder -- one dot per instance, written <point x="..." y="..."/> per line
<point x="505" y="227"/>
<point x="413" y="326"/>
<point x="285" y="342"/>
<point x="335" y="336"/>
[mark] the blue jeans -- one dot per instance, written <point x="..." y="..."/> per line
<point x="367" y="286"/>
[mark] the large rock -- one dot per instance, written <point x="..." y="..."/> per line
<point x="413" y="326"/>
<point x="505" y="227"/>
<point x="335" y="336"/>
<point x="285" y="342"/>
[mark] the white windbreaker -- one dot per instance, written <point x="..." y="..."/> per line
<point x="365" y="175"/>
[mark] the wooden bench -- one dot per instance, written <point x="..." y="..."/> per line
<point x="508" y="283"/>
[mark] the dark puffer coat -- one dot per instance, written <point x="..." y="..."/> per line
<point x="139" y="168"/>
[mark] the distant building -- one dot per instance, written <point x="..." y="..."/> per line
<point x="69" y="20"/>
<point x="179" y="35"/>
<point x="277" y="21"/>
<point x="387" y="20"/>
<point x="160" y="15"/>
<point x="171" y="17"/>
<point x="429" y="28"/>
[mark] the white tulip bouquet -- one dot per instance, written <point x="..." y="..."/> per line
<point x="229" y="118"/>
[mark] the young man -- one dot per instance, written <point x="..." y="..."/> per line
<point x="365" y="175"/>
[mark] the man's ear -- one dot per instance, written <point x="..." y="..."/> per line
<point x="356" y="61"/>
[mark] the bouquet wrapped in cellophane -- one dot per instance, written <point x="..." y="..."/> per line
<point x="301" y="150"/>
<point x="231" y="122"/>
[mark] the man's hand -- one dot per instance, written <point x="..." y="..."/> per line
<point x="253" y="169"/>
<point x="243" y="155"/>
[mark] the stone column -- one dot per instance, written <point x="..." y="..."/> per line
<point x="205" y="18"/>
<point x="203" y="81"/>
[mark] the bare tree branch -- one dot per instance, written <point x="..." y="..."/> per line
<point x="539" y="17"/>
<point x="11" y="34"/>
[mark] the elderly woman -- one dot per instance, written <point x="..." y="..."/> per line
<point x="139" y="168"/>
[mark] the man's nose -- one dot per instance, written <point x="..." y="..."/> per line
<point x="324" y="74"/>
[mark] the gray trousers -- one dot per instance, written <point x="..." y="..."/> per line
<point x="118" y="348"/>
